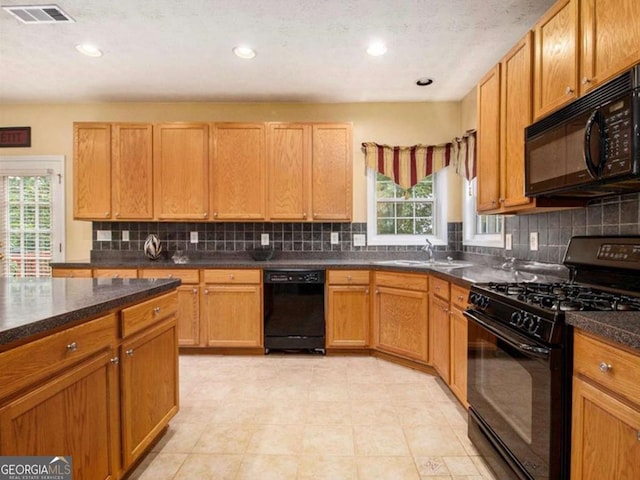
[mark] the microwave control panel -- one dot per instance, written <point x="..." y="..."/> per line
<point x="618" y="131"/>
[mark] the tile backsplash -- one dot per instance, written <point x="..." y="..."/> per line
<point x="618" y="215"/>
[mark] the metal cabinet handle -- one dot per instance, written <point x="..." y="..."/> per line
<point x="129" y="352"/>
<point x="72" y="347"/>
<point x="156" y="310"/>
<point x="115" y="360"/>
<point x="605" y="367"/>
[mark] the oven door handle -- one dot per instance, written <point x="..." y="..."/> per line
<point x="511" y="339"/>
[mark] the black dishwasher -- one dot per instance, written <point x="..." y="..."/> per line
<point x="294" y="310"/>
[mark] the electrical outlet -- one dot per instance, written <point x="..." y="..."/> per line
<point x="125" y="235"/>
<point x="508" y="241"/>
<point x="103" y="235"/>
<point x="359" y="240"/>
<point x="193" y="236"/>
<point x="533" y="241"/>
<point x="335" y="238"/>
<point x="264" y="239"/>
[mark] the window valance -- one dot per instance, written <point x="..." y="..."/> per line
<point x="406" y="166"/>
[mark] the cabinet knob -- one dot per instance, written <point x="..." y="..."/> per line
<point x="586" y="81"/>
<point x="501" y="200"/>
<point x="194" y="291"/>
<point x="605" y="367"/>
<point x="315" y="215"/>
<point x="115" y="360"/>
<point x="438" y="288"/>
<point x="377" y="292"/>
<point x="304" y="215"/>
<point x="116" y="275"/>
<point x="117" y="214"/>
<point x="366" y="291"/>
<point x="170" y="275"/>
<point x="215" y="214"/>
<point x="106" y="214"/>
<point x="349" y="277"/>
<point x="493" y="202"/>
<point x="460" y="298"/>
<point x="206" y="292"/>
<point x="129" y="352"/>
<point x="231" y="276"/>
<point x="570" y="90"/>
<point x="70" y="274"/>
<point x="156" y="310"/>
<point x="72" y="347"/>
<point x="204" y="215"/>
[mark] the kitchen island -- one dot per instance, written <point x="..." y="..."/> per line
<point x="88" y="369"/>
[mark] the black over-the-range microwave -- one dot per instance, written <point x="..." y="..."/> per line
<point x="589" y="148"/>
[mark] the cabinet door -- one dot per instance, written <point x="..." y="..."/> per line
<point x="332" y="172"/>
<point x="605" y="434"/>
<point x="439" y="331"/>
<point x="92" y="171"/>
<point x="458" y="379"/>
<point x="516" y="112"/>
<point x="401" y="322"/>
<point x="75" y="414"/>
<point x="188" y="315"/>
<point x="238" y="176"/>
<point x="556" y="58"/>
<point x="488" y="141"/>
<point x="181" y="171"/>
<point x="288" y="171"/>
<point x="348" y="316"/>
<point x="149" y="387"/>
<point x="132" y="171"/>
<point x="71" y="272"/>
<point x="610" y="39"/>
<point x="233" y="315"/>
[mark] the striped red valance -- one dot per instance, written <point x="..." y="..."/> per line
<point x="406" y="166"/>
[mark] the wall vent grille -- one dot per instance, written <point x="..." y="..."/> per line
<point x="38" y="13"/>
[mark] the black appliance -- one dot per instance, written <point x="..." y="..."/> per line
<point x="589" y="148"/>
<point x="520" y="355"/>
<point x="294" y="310"/>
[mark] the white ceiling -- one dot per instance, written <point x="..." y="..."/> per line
<point x="307" y="50"/>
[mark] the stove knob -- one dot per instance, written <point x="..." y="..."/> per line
<point x="484" y="301"/>
<point x="473" y="298"/>
<point x="516" y="318"/>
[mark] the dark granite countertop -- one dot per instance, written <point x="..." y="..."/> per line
<point x="620" y="327"/>
<point x="32" y="306"/>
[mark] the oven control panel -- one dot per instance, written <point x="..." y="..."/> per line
<point x="294" y="276"/>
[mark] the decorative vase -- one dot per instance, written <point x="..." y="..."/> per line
<point x="152" y="247"/>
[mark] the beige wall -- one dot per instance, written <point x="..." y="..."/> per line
<point x="390" y="123"/>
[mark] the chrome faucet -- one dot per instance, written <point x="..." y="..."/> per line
<point x="429" y="248"/>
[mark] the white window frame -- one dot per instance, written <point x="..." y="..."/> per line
<point x="470" y="220"/>
<point x="43" y="165"/>
<point x="440" y="213"/>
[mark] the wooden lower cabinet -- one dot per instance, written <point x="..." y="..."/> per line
<point x="458" y="351"/>
<point x="75" y="413"/>
<point x="348" y="309"/>
<point x="605" y="439"/>
<point x="439" y="336"/>
<point x="232" y="308"/>
<point x="400" y="321"/>
<point x="149" y="384"/>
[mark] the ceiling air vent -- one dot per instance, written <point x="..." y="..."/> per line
<point x="38" y="13"/>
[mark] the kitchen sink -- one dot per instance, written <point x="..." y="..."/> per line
<point x="444" y="264"/>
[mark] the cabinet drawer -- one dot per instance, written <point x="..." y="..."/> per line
<point x="115" y="273"/>
<point x="439" y="288"/>
<point x="459" y="296"/>
<point x="232" y="276"/>
<point x="147" y="313"/>
<point x="36" y="360"/>
<point x="408" y="281"/>
<point x="71" y="273"/>
<point x="187" y="276"/>
<point x="348" y="277"/>
<point x="621" y="369"/>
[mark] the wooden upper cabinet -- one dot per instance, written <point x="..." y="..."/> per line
<point x="556" y="58"/>
<point x="610" y="39"/>
<point x="132" y="171"/>
<point x="289" y="171"/>
<point x="92" y="170"/>
<point x="181" y="171"/>
<point x="516" y="111"/>
<point x="238" y="171"/>
<point x="488" y="141"/>
<point x="332" y="172"/>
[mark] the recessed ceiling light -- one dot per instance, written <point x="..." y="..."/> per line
<point x="89" y="50"/>
<point x="424" y="81"/>
<point x="244" y="52"/>
<point x="377" y="49"/>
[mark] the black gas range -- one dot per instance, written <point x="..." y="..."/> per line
<point x="520" y="355"/>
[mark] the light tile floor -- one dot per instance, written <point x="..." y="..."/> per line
<point x="311" y="417"/>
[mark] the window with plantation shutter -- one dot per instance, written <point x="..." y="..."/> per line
<point x="31" y="216"/>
